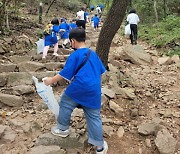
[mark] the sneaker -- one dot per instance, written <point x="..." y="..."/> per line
<point x="104" y="150"/>
<point x="57" y="132"/>
<point x="43" y="60"/>
<point x="55" y="54"/>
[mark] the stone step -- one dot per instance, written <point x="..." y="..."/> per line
<point x="73" y="141"/>
<point x="50" y="58"/>
<point x="22" y="78"/>
<point x="31" y="66"/>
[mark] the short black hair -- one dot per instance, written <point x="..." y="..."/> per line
<point x="132" y="11"/>
<point x="55" y="21"/>
<point x="82" y="8"/>
<point x="78" y="34"/>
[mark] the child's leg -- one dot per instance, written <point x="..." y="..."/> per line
<point x="66" y="41"/>
<point x="45" y="50"/>
<point x="55" y="49"/>
<point x="94" y="124"/>
<point x="67" y="105"/>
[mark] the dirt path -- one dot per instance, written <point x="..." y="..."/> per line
<point x="154" y="95"/>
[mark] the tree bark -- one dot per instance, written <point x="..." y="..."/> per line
<point x="50" y="6"/>
<point x="110" y="27"/>
<point x="165" y="8"/>
<point x="2" y="15"/>
<point x="155" y="11"/>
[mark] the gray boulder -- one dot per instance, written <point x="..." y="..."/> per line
<point x="165" y="142"/>
<point x="11" y="100"/>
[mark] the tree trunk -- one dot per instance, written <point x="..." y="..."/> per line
<point x="2" y="15"/>
<point x="110" y="27"/>
<point x="165" y="8"/>
<point x="7" y="18"/>
<point x="50" y="6"/>
<point x="155" y="11"/>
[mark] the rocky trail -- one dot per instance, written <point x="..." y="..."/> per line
<point x="140" y="101"/>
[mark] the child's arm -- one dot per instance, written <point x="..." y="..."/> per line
<point x="51" y="80"/>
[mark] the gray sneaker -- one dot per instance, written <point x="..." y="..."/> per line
<point x="104" y="150"/>
<point x="57" y="132"/>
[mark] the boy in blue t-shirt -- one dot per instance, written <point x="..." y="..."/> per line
<point x="84" y="90"/>
<point x="72" y="25"/>
<point x="95" y="21"/>
<point x="64" y="32"/>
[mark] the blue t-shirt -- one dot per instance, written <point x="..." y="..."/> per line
<point x="92" y="6"/>
<point x="72" y="25"/>
<point x="51" y="38"/>
<point x="85" y="87"/>
<point x="95" y="19"/>
<point x="101" y="6"/>
<point x="65" y="33"/>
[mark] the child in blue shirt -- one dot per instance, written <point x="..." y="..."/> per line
<point x="72" y="25"/>
<point x="64" y="32"/>
<point x="84" y="90"/>
<point x="95" y="21"/>
<point x="51" y="39"/>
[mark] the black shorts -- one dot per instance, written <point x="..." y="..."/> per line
<point x="81" y="23"/>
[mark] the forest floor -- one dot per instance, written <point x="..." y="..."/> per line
<point x="148" y="98"/>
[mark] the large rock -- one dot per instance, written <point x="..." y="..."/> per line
<point x="120" y="132"/>
<point x="3" y="79"/>
<point x="30" y="66"/>
<point x="108" y="130"/>
<point x="108" y="92"/>
<point x="72" y="141"/>
<point x="104" y="99"/>
<point x="175" y="59"/>
<point x="41" y="75"/>
<point x="22" y="89"/>
<point x="136" y="55"/>
<point x="9" y="134"/>
<point x="11" y="100"/>
<point x="165" y="142"/>
<point x="19" y="59"/>
<point x="116" y="108"/>
<point x="54" y="66"/>
<point x="2" y="130"/>
<point x="19" y="78"/>
<point x="116" y="63"/>
<point x="46" y="150"/>
<point x="7" y="68"/>
<point x="2" y="51"/>
<point x="165" y="61"/>
<point x="125" y="92"/>
<point x="149" y="128"/>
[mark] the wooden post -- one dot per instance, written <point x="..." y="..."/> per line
<point x="40" y="12"/>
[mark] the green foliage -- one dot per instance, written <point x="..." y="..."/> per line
<point x="163" y="34"/>
<point x="72" y="5"/>
<point x="175" y="51"/>
<point x="145" y="9"/>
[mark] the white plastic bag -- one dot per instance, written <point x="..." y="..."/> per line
<point x="40" y="45"/>
<point x="46" y="93"/>
<point x="127" y="30"/>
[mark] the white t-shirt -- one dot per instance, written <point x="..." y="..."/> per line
<point x="98" y="10"/>
<point x="133" y="18"/>
<point x="80" y="15"/>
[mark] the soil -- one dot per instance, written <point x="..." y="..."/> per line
<point x="161" y="81"/>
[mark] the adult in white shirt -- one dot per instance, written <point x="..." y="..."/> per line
<point x="133" y="20"/>
<point x="98" y="10"/>
<point x="80" y="18"/>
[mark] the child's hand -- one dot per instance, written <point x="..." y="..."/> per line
<point x="47" y="81"/>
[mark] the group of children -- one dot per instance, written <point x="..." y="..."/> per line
<point x="51" y="33"/>
<point x="60" y="30"/>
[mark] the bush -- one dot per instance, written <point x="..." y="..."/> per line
<point x="165" y="34"/>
